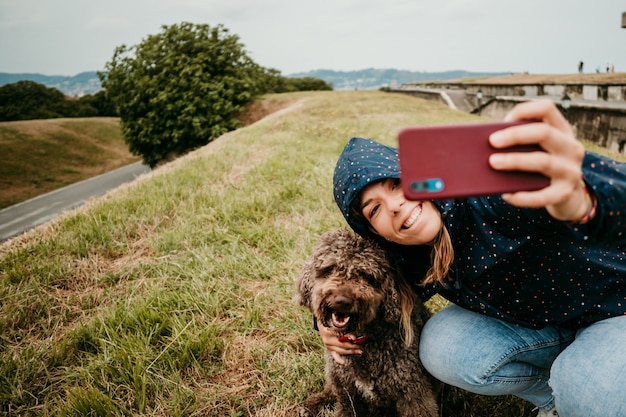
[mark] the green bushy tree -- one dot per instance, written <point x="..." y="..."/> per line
<point x="29" y="100"/>
<point x="97" y="103"/>
<point x="306" y="84"/>
<point x="275" y="82"/>
<point x="26" y="100"/>
<point x="181" y="88"/>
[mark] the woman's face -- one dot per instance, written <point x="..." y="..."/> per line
<point x="397" y="219"/>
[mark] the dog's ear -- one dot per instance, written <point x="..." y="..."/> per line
<point x="321" y="263"/>
<point x="392" y="308"/>
<point x="385" y="273"/>
<point x="304" y="285"/>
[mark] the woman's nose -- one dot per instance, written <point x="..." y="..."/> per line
<point x="396" y="203"/>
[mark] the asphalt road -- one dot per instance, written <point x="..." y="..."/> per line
<point x="21" y="217"/>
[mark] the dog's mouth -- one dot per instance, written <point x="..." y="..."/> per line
<point x="339" y="314"/>
<point x="342" y="323"/>
<point x="342" y="312"/>
<point x="339" y="320"/>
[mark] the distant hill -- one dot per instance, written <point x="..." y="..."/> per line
<point x="365" y="79"/>
<point x="77" y="85"/>
<point x="374" y="78"/>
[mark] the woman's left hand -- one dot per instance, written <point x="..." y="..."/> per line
<point x="561" y="160"/>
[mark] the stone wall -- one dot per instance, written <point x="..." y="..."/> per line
<point x="603" y="92"/>
<point x="605" y="126"/>
<point x="431" y="95"/>
<point x="601" y="124"/>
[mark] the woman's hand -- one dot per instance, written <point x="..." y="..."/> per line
<point x="561" y="160"/>
<point x="337" y="348"/>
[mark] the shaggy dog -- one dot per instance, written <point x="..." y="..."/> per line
<point x="352" y="287"/>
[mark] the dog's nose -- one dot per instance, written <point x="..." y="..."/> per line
<point x="342" y="302"/>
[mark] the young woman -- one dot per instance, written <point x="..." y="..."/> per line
<point x="537" y="279"/>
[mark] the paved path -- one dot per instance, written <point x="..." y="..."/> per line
<point x="21" y="217"/>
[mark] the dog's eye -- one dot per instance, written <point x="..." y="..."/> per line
<point x="371" y="280"/>
<point x="324" y="272"/>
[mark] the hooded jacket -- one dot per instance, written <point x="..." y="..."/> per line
<point x="516" y="264"/>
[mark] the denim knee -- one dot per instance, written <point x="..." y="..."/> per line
<point x="589" y="376"/>
<point x="488" y="356"/>
<point x="456" y="348"/>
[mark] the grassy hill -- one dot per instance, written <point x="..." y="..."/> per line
<point x="171" y="296"/>
<point x="39" y="156"/>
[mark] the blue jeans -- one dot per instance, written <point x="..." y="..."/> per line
<point x="582" y="372"/>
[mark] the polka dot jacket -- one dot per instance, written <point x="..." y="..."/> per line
<point x="516" y="264"/>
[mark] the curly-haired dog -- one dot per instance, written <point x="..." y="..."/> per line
<point x="351" y="286"/>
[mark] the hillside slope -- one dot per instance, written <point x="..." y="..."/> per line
<point x="172" y="295"/>
<point x="42" y="155"/>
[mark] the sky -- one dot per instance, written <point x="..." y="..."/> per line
<point x="67" y="37"/>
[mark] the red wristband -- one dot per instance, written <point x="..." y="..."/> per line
<point x="592" y="206"/>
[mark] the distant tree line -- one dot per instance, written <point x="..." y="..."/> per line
<point x="27" y="100"/>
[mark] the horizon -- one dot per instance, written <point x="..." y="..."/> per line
<point x="346" y="71"/>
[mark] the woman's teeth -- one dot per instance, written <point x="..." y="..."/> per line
<point x="413" y="218"/>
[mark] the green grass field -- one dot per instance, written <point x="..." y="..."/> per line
<point x="172" y="295"/>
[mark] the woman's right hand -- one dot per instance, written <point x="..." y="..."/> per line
<point x="561" y="160"/>
<point x="336" y="348"/>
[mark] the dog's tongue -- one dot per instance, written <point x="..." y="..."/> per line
<point x="340" y="320"/>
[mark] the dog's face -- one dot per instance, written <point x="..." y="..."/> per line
<point x="347" y="282"/>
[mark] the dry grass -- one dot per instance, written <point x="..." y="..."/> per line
<point x="42" y="155"/>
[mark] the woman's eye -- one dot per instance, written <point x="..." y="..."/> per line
<point x="374" y="210"/>
<point x="396" y="183"/>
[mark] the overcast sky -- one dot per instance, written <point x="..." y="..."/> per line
<point x="66" y="37"/>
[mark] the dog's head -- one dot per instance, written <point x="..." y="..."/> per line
<point x="347" y="282"/>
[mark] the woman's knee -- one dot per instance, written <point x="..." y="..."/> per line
<point x="588" y="377"/>
<point x="483" y="354"/>
<point x="448" y="352"/>
<point x="437" y="349"/>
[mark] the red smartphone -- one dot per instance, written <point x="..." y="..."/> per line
<point x="442" y="162"/>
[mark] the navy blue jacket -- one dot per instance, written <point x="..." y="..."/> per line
<point x="516" y="264"/>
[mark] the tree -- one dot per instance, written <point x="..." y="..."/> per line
<point x="27" y="100"/>
<point x="99" y="103"/>
<point x="180" y="89"/>
<point x="307" y="84"/>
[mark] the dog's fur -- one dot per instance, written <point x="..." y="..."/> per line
<point x="351" y="286"/>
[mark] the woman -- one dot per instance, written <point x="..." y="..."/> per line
<point x="537" y="279"/>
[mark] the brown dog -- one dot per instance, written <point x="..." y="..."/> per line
<point x="351" y="286"/>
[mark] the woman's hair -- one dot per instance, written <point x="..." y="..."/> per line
<point x="407" y="302"/>
<point x="441" y="258"/>
<point x="441" y="255"/>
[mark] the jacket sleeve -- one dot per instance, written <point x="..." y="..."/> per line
<point x="607" y="180"/>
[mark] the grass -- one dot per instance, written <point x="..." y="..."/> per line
<point x="171" y="296"/>
<point x="39" y="156"/>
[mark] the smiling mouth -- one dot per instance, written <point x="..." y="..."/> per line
<point x="417" y="211"/>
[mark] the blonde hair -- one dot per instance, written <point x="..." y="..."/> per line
<point x="441" y="258"/>
<point x="407" y="302"/>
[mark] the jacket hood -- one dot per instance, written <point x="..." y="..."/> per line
<point x="362" y="162"/>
